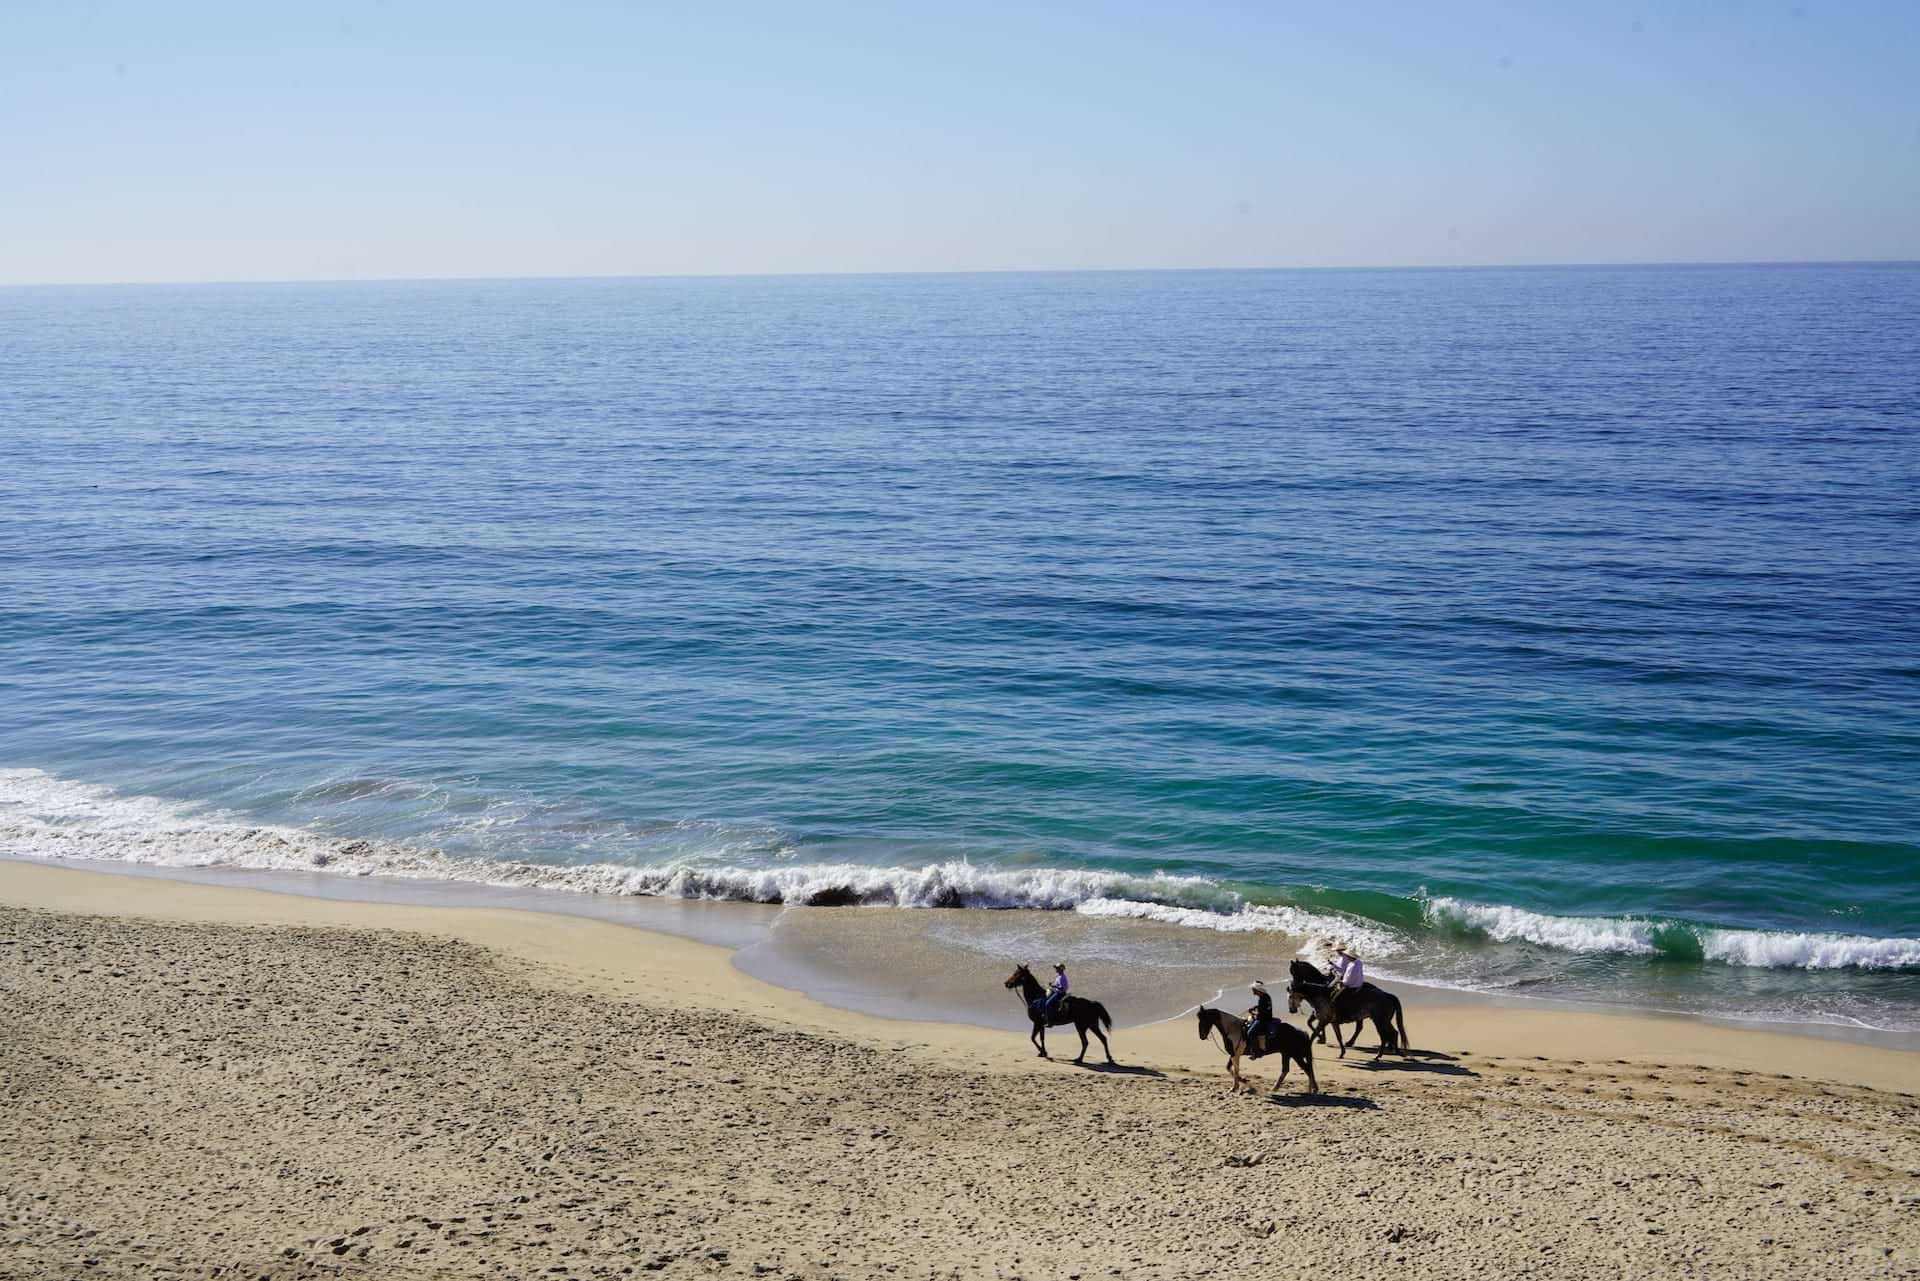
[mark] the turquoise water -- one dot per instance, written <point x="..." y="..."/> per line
<point x="1544" y="630"/>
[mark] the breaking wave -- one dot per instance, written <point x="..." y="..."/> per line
<point x="1675" y="940"/>
<point x="1250" y="918"/>
<point x="45" y="817"/>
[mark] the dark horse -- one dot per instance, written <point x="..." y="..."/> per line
<point x="1085" y="1015"/>
<point x="1289" y="1042"/>
<point x="1331" y="1008"/>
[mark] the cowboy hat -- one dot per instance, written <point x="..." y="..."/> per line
<point x="1258" y="985"/>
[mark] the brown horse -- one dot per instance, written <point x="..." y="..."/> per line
<point x="1333" y="1008"/>
<point x="1085" y="1015"/>
<point x="1290" y="1043"/>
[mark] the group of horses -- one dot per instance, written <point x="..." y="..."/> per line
<point x="1328" y="1006"/>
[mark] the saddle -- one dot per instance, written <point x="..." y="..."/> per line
<point x="1059" y="1015"/>
<point x="1260" y="1039"/>
<point x="1344" y="1001"/>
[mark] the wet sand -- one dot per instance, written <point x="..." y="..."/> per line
<point x="213" y="1081"/>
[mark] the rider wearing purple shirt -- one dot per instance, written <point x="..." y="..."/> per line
<point x="1058" y="992"/>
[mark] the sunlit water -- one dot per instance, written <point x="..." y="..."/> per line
<point x="1550" y="631"/>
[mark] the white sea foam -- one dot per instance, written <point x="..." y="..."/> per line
<point x="1249" y="918"/>
<point x="1568" y="933"/>
<point x="45" y="817"/>
<point x="42" y="816"/>
<point x="1641" y="936"/>
<point x="1779" y="949"/>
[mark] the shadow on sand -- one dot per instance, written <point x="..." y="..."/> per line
<point x="1115" y="1069"/>
<point x="1432" y="1061"/>
<point x="1321" y="1100"/>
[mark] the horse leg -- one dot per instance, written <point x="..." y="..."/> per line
<point x="1039" y="1038"/>
<point x="1342" y="1040"/>
<point x="1233" y="1068"/>
<point x="1103" y="1042"/>
<point x="1282" y="1078"/>
<point x="1083" y="1043"/>
<point x="1313" y="1086"/>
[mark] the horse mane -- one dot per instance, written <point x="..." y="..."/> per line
<point x="1305" y="975"/>
<point x="1030" y="987"/>
<point x="1222" y="1022"/>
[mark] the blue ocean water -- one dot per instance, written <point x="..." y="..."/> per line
<point x="1545" y="629"/>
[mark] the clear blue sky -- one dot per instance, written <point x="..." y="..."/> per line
<point x="253" y="141"/>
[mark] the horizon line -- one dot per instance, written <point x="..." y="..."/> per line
<point x="963" y="271"/>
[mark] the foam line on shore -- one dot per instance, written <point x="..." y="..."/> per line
<point x="1675" y="940"/>
<point x="42" y="816"/>
<point x="46" y="817"/>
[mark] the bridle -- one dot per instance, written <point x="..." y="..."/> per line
<point x="1019" y="989"/>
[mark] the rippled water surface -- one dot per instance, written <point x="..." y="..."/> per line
<point x="1549" y="630"/>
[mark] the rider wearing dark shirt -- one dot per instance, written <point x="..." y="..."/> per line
<point x="1260" y="1017"/>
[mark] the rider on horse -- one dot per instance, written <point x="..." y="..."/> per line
<point x="1348" y="977"/>
<point x="1260" y="1017"/>
<point x="1055" y="994"/>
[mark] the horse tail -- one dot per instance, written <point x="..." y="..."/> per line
<point x="1400" y="1017"/>
<point x="1102" y="1017"/>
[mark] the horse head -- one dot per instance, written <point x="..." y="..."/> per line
<point x="1207" y="1017"/>
<point x="1020" y="973"/>
<point x="1305" y="972"/>
<point x="1293" y="1000"/>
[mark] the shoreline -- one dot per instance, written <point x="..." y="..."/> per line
<point x="702" y="957"/>
<point x="1154" y="942"/>
<point x="208" y="1081"/>
<point x="746" y="932"/>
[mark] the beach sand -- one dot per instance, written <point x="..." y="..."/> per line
<point x="208" y="1081"/>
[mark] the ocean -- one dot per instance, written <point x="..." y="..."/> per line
<point x="1549" y="632"/>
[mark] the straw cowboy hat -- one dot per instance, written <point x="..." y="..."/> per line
<point x="1348" y="949"/>
<point x="1258" y="985"/>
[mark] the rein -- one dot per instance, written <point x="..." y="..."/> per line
<point x="1219" y="1024"/>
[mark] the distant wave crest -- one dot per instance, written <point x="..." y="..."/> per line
<point x="1676" y="940"/>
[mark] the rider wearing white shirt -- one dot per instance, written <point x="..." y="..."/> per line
<point x="1347" y="969"/>
<point x="1348" y="976"/>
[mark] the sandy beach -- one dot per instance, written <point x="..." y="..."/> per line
<point x="205" y="1081"/>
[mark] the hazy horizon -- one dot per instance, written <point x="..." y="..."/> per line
<point x="379" y="141"/>
<point x="985" y="271"/>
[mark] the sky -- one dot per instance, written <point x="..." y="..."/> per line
<point x="262" y="141"/>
